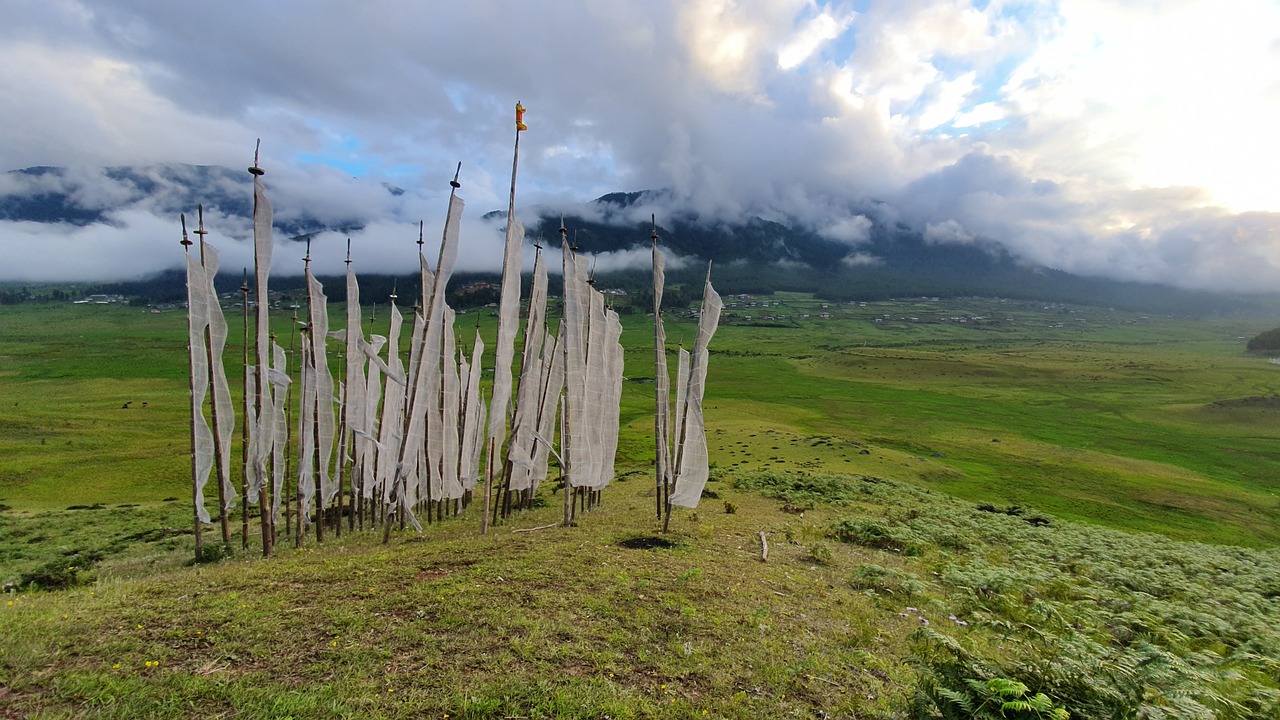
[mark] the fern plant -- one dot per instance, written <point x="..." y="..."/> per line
<point x="1001" y="699"/>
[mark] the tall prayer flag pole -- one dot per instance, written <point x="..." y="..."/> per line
<point x="262" y="244"/>
<point x="508" y="319"/>
<point x="197" y="496"/>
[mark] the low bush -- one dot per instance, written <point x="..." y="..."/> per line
<point x="885" y="580"/>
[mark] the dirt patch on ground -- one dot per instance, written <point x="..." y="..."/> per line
<point x="648" y="542"/>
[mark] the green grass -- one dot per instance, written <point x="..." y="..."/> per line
<point x="1116" y="420"/>
<point x="554" y="623"/>
<point x="1137" y="422"/>
<point x="1103" y="623"/>
<point x="1144" y="424"/>
<point x="568" y="623"/>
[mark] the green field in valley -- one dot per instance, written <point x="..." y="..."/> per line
<point x="1145" y="449"/>
<point x="1136" y="422"/>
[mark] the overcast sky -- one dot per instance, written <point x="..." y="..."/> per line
<point x="1138" y="140"/>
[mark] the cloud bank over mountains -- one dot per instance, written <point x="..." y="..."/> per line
<point x="1133" y="141"/>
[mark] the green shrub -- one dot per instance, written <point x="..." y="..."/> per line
<point x="876" y="533"/>
<point x="67" y="571"/>
<point x="820" y="553"/>
<point x="801" y="489"/>
<point x="886" y="580"/>
<point x="212" y="553"/>
<point x="1264" y="342"/>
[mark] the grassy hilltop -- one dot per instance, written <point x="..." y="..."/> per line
<point x="971" y="474"/>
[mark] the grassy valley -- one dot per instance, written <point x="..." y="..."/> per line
<point x="967" y="502"/>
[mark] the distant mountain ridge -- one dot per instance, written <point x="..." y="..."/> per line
<point x="761" y="255"/>
<point x="81" y="197"/>
<point x="65" y="195"/>
<point x="756" y="239"/>
<point x="881" y="259"/>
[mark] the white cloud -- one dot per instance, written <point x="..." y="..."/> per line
<point x="861" y="259"/>
<point x="1175" y="93"/>
<point x="854" y="230"/>
<point x="818" y="31"/>
<point x="978" y="115"/>
<point x="948" y="231"/>
<point x="74" y="106"/>
<point x="1087" y="125"/>
<point x="139" y="243"/>
<point x="949" y="97"/>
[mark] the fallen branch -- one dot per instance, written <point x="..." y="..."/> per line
<point x="540" y="527"/>
<point x="764" y="548"/>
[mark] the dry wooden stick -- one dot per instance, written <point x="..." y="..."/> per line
<point x="540" y="527"/>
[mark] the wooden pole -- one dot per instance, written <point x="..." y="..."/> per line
<point x="195" y="481"/>
<point x="497" y="501"/>
<point x="344" y="423"/>
<point x="264" y="502"/>
<point x="386" y="520"/>
<point x="262" y="384"/>
<point x="568" y="500"/>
